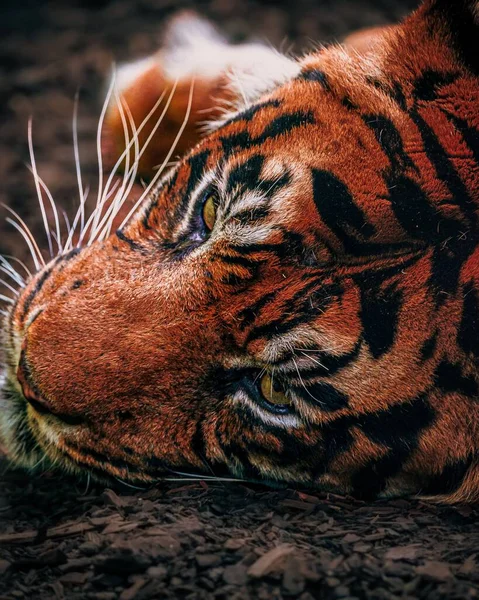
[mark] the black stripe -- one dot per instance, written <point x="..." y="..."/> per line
<point x="429" y="347"/>
<point x="468" y="132"/>
<point x="468" y="334"/>
<point x="246" y="175"/>
<point x="305" y="306"/>
<point x="337" y="209"/>
<point x="441" y="161"/>
<point x="247" y="316"/>
<point x="389" y="138"/>
<point x="429" y="84"/>
<point x="131" y="243"/>
<point x="379" y="316"/>
<point x="415" y="213"/>
<point x="317" y="76"/>
<point x="398" y="429"/>
<point x="392" y="89"/>
<point x="36" y="290"/>
<point x="322" y="395"/>
<point x="104" y="459"/>
<point x="324" y="364"/>
<point x="450" y="479"/>
<point x="249" y="113"/>
<point x="197" y="163"/>
<point x="459" y="15"/>
<point x="251" y="215"/>
<point x="277" y="127"/>
<point x="450" y="378"/>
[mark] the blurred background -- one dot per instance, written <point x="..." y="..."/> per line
<point x="49" y="50"/>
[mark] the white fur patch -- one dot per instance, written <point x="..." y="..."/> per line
<point x="194" y="49"/>
<point x="129" y="72"/>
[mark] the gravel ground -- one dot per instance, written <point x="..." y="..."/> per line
<point x="60" y="540"/>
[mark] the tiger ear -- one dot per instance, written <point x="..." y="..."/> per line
<point x="194" y="58"/>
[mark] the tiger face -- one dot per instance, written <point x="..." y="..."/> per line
<point x="296" y="301"/>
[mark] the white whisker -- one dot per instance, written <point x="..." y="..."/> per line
<point x="67" y="223"/>
<point x="79" y="215"/>
<point x="315" y="360"/>
<point x="28" y="236"/>
<point x="37" y="186"/>
<point x="125" y="155"/>
<point x="303" y="384"/>
<point x="130" y="485"/>
<point x="201" y="478"/>
<point x="167" y="158"/>
<point x="6" y="299"/>
<point x="54" y="209"/>
<point x="17" y="260"/>
<point x="16" y="279"/>
<point x="98" y="147"/>
<point x="131" y="176"/>
<point x="8" y="286"/>
<point x="76" y="152"/>
<point x="8" y="270"/>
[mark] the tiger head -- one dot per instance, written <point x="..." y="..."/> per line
<point x="296" y="301"/>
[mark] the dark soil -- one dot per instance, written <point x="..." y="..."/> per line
<point x="223" y="541"/>
<point x="187" y="540"/>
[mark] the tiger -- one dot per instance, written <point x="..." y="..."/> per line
<point x="296" y="300"/>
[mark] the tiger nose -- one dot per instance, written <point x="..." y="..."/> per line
<point x="30" y="391"/>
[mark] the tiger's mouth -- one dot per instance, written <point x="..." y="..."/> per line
<point x="36" y="399"/>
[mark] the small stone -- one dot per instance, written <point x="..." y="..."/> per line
<point x="110" y="498"/>
<point x="4" y="566"/>
<point x="342" y="591"/>
<point x="74" y="578"/>
<point x="204" y="561"/>
<point x="234" y="544"/>
<point x="402" y="553"/>
<point x="159" y="572"/>
<point x="123" y="564"/>
<point x="89" y="548"/>
<point x="350" y="538"/>
<point x="362" y="548"/>
<point x="293" y="576"/>
<point x="235" y="574"/>
<point x="132" y="592"/>
<point x="52" y="558"/>
<point x="435" y="570"/>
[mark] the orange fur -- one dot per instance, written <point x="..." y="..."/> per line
<point x="344" y="261"/>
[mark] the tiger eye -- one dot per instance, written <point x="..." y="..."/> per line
<point x="270" y="393"/>
<point x="209" y="213"/>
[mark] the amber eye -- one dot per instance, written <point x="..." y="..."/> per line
<point x="209" y="213"/>
<point x="271" y="393"/>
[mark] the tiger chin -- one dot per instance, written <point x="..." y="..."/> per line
<point x="297" y="300"/>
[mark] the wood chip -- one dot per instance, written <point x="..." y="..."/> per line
<point x="402" y="552"/>
<point x="435" y="571"/>
<point x="270" y="561"/>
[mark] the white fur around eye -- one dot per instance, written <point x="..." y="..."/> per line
<point x="288" y="421"/>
